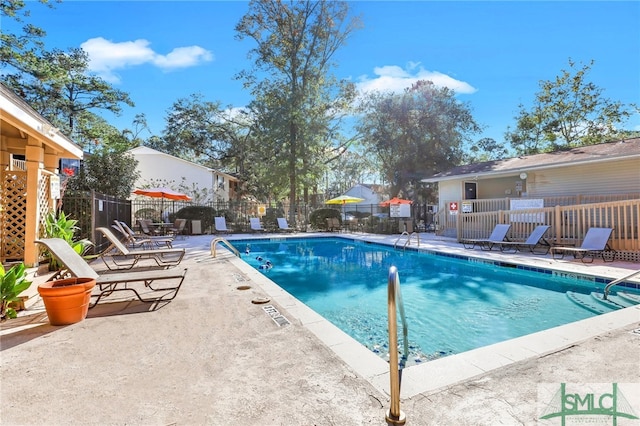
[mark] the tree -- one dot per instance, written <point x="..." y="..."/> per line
<point x="195" y="130"/>
<point x="296" y="95"/>
<point x="567" y="112"/>
<point x="486" y="149"/>
<point x="59" y="87"/>
<point x="415" y="134"/>
<point x="107" y="171"/>
<point x="18" y="50"/>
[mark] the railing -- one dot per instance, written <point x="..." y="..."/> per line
<point x="394" y="415"/>
<point x="228" y="244"/>
<point x="607" y="289"/>
<point x="569" y="224"/>
<point x="409" y="236"/>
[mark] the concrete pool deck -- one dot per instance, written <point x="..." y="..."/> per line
<point x="212" y="357"/>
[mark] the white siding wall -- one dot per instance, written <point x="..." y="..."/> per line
<point x="621" y="177"/>
<point x="449" y="190"/>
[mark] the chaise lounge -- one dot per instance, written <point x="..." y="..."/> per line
<point x="535" y="241"/>
<point x="113" y="282"/>
<point x="498" y="236"/>
<point x="124" y="258"/>
<point x="595" y="243"/>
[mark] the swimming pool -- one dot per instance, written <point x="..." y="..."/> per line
<point x="452" y="305"/>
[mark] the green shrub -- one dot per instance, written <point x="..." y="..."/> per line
<point x="318" y="218"/>
<point x="12" y="283"/>
<point x="202" y="213"/>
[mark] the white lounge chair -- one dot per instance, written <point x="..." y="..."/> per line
<point x="130" y="238"/>
<point x="595" y="243"/>
<point x="220" y="224"/>
<point x="255" y="224"/>
<point x="283" y="225"/>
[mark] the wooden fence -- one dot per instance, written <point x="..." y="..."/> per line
<point x="568" y="224"/>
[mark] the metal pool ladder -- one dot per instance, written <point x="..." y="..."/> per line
<point x="222" y="240"/>
<point x="394" y="415"/>
<point x="607" y="289"/>
<point x="409" y="236"/>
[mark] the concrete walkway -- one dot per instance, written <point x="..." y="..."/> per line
<point x="213" y="357"/>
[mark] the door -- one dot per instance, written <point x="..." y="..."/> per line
<point x="470" y="190"/>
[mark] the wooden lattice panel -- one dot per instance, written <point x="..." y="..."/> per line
<point x="44" y="195"/>
<point x="14" y="215"/>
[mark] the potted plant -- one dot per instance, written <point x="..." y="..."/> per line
<point x="12" y="283"/>
<point x="67" y="300"/>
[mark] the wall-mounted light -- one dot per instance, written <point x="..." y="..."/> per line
<point x="523" y="175"/>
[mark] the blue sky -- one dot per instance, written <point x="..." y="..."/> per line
<point x="492" y="53"/>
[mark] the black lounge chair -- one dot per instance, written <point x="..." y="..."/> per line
<point x="535" y="241"/>
<point x="595" y="243"/>
<point x="112" y="282"/>
<point x="498" y="236"/>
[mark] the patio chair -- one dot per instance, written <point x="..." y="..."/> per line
<point x="284" y="226"/>
<point x="535" y="241"/>
<point x="220" y="224"/>
<point x="112" y="282"/>
<point x="255" y="224"/>
<point x="145" y="225"/>
<point x="157" y="240"/>
<point x="177" y="228"/>
<point x="124" y="258"/>
<point x="333" y="223"/>
<point x="595" y="243"/>
<point x="498" y="236"/>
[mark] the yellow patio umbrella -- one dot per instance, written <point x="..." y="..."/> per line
<point x="344" y="199"/>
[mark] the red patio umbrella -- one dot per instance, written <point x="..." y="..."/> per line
<point x="167" y="193"/>
<point x="395" y="200"/>
<point x="162" y="193"/>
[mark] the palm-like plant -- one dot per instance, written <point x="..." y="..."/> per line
<point x="58" y="225"/>
<point x="12" y="283"/>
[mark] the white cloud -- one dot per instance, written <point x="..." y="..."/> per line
<point x="105" y="56"/>
<point x="392" y="78"/>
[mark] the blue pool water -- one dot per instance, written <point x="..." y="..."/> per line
<point x="452" y="305"/>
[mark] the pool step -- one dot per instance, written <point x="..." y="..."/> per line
<point x="589" y="303"/>
<point x="613" y="301"/>
<point x="631" y="297"/>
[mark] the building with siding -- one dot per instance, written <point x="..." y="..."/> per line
<point x="201" y="183"/>
<point x="596" y="170"/>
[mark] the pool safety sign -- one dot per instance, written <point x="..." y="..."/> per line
<point x="262" y="210"/>
<point x="453" y="208"/>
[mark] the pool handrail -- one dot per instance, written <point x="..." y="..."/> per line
<point x="408" y="242"/>
<point x="394" y="415"/>
<point x="222" y="240"/>
<point x="607" y="288"/>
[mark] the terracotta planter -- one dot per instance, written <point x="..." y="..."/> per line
<point x="67" y="300"/>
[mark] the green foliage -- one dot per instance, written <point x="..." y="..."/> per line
<point x="567" y="112"/>
<point x="297" y="103"/>
<point x="318" y="218"/>
<point x="58" y="225"/>
<point x="415" y="134"/>
<point x="486" y="149"/>
<point x="110" y="172"/>
<point x="58" y="85"/>
<point x="203" y="213"/>
<point x="12" y="283"/>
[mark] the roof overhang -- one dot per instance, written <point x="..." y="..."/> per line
<point x="516" y="171"/>
<point x="18" y="114"/>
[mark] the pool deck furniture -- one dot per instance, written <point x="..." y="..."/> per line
<point x="123" y="258"/>
<point x="133" y="240"/>
<point x="498" y="236"/>
<point x="595" y="244"/>
<point x="113" y="282"/>
<point x="255" y="224"/>
<point x="284" y="226"/>
<point x="333" y="224"/>
<point x="220" y="224"/>
<point x="535" y="243"/>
